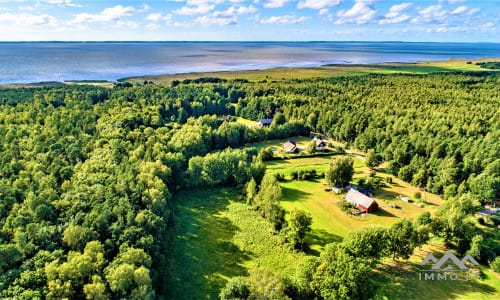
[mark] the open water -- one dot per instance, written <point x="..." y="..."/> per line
<point x="26" y="62"/>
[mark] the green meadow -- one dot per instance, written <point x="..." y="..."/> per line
<point x="278" y="74"/>
<point x="216" y="236"/>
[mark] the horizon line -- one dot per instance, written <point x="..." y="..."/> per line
<point x="242" y="41"/>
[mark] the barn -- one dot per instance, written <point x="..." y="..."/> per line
<point x="361" y="201"/>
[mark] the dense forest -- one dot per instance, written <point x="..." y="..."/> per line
<point x="87" y="173"/>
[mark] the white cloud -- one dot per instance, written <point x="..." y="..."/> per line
<point x="286" y="19"/>
<point x="360" y="13"/>
<point x="451" y="1"/>
<point x="397" y="9"/>
<point x="324" y="12"/>
<point x="225" y="17"/>
<point x="396" y="15"/>
<point x="464" y="10"/>
<point x="220" y="20"/>
<point x="459" y="10"/>
<point x="157" y="17"/>
<point x="275" y="3"/>
<point x="27" y="20"/>
<point x="233" y="11"/>
<point x="195" y="10"/>
<point x="109" y="14"/>
<point x="127" y="24"/>
<point x="317" y="4"/>
<point x="430" y="14"/>
<point x="145" y="8"/>
<point x="487" y="25"/>
<point x="395" y="20"/>
<point x="63" y="2"/>
<point x="197" y="7"/>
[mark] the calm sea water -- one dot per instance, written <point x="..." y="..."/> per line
<point x="49" y="61"/>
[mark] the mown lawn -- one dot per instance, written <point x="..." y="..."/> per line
<point x="330" y="223"/>
<point x="246" y="121"/>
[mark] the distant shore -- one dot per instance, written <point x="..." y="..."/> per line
<point x="283" y="73"/>
<point x="328" y="70"/>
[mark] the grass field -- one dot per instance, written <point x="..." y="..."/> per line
<point x="330" y="223"/>
<point x="400" y="280"/>
<point x="278" y="144"/>
<point x="245" y="121"/>
<point x="214" y="238"/>
<point x="278" y="74"/>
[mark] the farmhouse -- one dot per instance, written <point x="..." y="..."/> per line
<point x="361" y="201"/>
<point x="290" y="147"/>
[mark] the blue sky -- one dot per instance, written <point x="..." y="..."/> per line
<point x="263" y="20"/>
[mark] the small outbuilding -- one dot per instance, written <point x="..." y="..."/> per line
<point x="290" y="146"/>
<point x="404" y="198"/>
<point x="320" y="144"/>
<point x="337" y="190"/>
<point x="361" y="201"/>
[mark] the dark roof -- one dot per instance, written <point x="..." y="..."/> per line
<point x="290" y="146"/>
<point x="266" y="121"/>
<point x="357" y="198"/>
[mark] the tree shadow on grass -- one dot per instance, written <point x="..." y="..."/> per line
<point x="383" y="213"/>
<point x="202" y="255"/>
<point x="291" y="194"/>
<point x="387" y="195"/>
<point x="430" y="203"/>
<point x="320" y="237"/>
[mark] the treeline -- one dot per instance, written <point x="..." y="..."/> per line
<point x="489" y="65"/>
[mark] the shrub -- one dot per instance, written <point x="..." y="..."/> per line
<point x="495" y="264"/>
<point x="279" y="177"/>
<point x="266" y="154"/>
<point x="345" y="206"/>
<point x="236" y="288"/>
<point x="417" y="195"/>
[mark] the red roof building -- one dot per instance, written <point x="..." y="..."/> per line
<point x="361" y="201"/>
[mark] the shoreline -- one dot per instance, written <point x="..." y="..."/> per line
<point x="327" y="70"/>
<point x="283" y="72"/>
